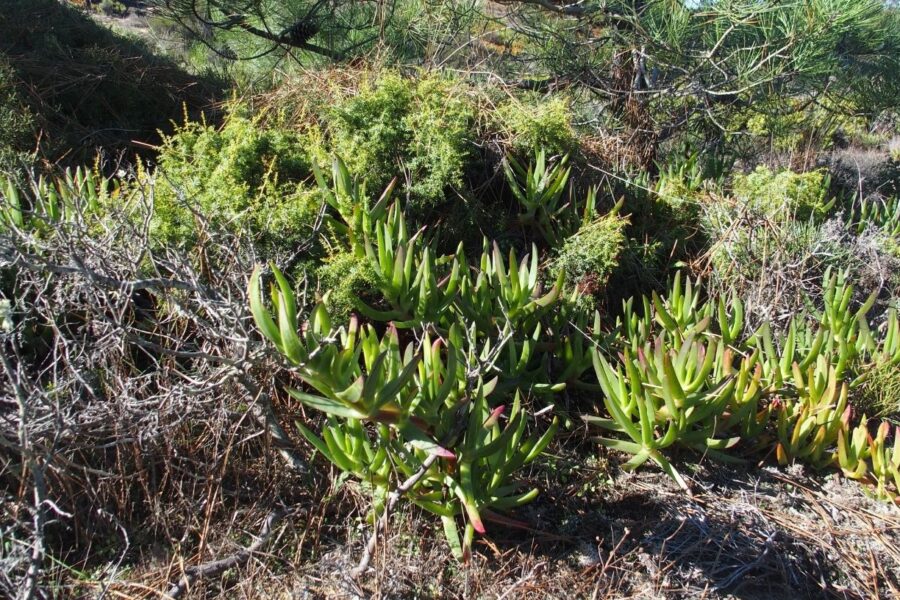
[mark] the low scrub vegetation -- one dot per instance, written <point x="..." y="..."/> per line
<point x="452" y="300"/>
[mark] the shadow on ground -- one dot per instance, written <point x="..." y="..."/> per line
<point x="89" y="87"/>
<point x="745" y="533"/>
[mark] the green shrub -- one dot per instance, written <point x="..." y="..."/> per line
<point x="112" y="8"/>
<point x="344" y="280"/>
<point x="441" y="126"/>
<point x="784" y="194"/>
<point x="795" y="127"/>
<point x="241" y="176"/>
<point x="422" y="126"/>
<point x="369" y="131"/>
<point x="538" y="124"/>
<point x="589" y="256"/>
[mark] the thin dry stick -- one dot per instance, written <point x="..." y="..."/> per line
<point x="393" y="498"/>
<point x="209" y="569"/>
<point x="523" y="580"/>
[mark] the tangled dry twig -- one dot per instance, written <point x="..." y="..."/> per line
<point x="120" y="348"/>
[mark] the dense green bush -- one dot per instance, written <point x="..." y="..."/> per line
<point x="441" y="136"/>
<point x="590" y="255"/>
<point x="395" y="125"/>
<point x="442" y="126"/>
<point x="533" y="123"/>
<point x="242" y="176"/>
<point x="784" y="194"/>
<point x="344" y="280"/>
<point x="794" y="127"/>
<point x="112" y="8"/>
<point x="369" y="130"/>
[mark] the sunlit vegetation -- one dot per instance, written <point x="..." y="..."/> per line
<point x="291" y="279"/>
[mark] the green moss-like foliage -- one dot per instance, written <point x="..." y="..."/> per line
<point x="344" y="280"/>
<point x="784" y="194"/>
<point x="392" y="125"/>
<point x="441" y="125"/>
<point x="794" y="126"/>
<point x="242" y="177"/>
<point x="538" y="124"/>
<point x="369" y="130"/>
<point x="590" y="255"/>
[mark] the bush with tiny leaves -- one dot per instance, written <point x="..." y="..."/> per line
<point x="243" y="176"/>
<point x="395" y="125"/>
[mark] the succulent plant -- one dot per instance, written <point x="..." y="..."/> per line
<point x="390" y="407"/>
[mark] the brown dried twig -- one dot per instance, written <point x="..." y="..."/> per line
<point x="213" y="568"/>
<point x="393" y="498"/>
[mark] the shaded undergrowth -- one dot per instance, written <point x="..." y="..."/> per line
<point x="89" y="87"/>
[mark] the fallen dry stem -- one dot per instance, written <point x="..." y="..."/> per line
<point x="213" y="568"/>
<point x="382" y="523"/>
